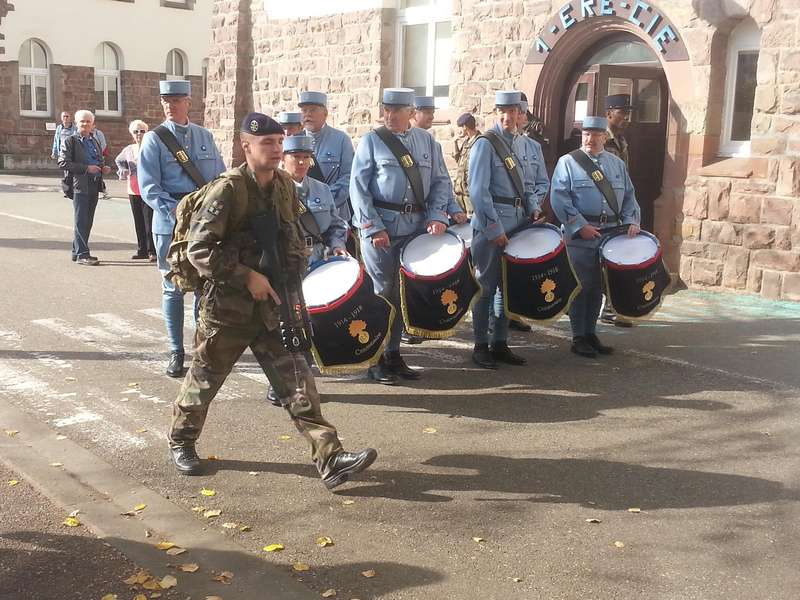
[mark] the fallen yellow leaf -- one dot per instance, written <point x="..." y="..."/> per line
<point x="224" y="577"/>
<point x="478" y="540"/>
<point x="369" y="574"/>
<point x="109" y="597"/>
<point x="165" y="545"/>
<point x="12" y="482"/>
<point x="348" y="502"/>
<point x="209" y="514"/>
<point x="245" y="528"/>
<point x="189" y="567"/>
<point x="198" y="508"/>
<point x="324" y="541"/>
<point x="140" y="597"/>
<point x="619" y="544"/>
<point x="176" y="550"/>
<point x="11" y="432"/>
<point x="137" y="578"/>
<point x="71" y="522"/>
<point x="300" y="567"/>
<point x="331" y="593"/>
<point x="56" y="464"/>
<point x="206" y="492"/>
<point x="167" y="582"/>
<point x="230" y="525"/>
<point x="274" y="548"/>
<point x="151" y="584"/>
<point x="141" y="430"/>
<point x="283" y="438"/>
<point x="140" y="507"/>
<point x="429" y="430"/>
<point x="634" y="510"/>
<point x="213" y="598"/>
<point x="212" y="457"/>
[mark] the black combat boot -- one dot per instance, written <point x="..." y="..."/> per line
<point x="502" y="353"/>
<point x="342" y="465"/>
<point x="407" y="338"/>
<point x="582" y="347"/>
<point x="482" y="357"/>
<point x="175" y="364"/>
<point x="272" y="397"/>
<point x="595" y="342"/>
<point x="380" y="373"/>
<point x="186" y="460"/>
<point x="396" y="364"/>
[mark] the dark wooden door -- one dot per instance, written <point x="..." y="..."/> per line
<point x="647" y="132"/>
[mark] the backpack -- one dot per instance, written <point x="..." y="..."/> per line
<point x="183" y="273"/>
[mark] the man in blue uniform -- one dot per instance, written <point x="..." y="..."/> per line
<point x="328" y="233"/>
<point x="501" y="179"/>
<point x="333" y="149"/>
<point x="292" y="122"/>
<point x="396" y="192"/>
<point x="585" y="211"/>
<point x="163" y="182"/>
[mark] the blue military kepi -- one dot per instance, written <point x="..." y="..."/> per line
<point x="313" y="98"/>
<point x="260" y="124"/>
<point x="290" y="118"/>
<point x="398" y="97"/>
<point x="465" y="118"/>
<point x="619" y="101"/>
<point x="298" y="143"/>
<point x="507" y="98"/>
<point x="424" y="102"/>
<point x="595" y="124"/>
<point x="177" y="87"/>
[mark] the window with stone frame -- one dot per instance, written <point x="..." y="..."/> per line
<point x="176" y="64"/>
<point x="107" y="81"/>
<point x="424" y="48"/>
<point x="34" y="79"/>
<point x="740" y="89"/>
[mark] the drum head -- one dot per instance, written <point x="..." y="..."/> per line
<point x="624" y="250"/>
<point x="534" y="242"/>
<point x="464" y="231"/>
<point x="429" y="255"/>
<point x="330" y="280"/>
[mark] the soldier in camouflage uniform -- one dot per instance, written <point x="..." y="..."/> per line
<point x="240" y="309"/>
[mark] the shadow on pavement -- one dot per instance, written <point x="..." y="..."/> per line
<point x="66" y="246"/>
<point x="598" y="484"/>
<point x="85" y="567"/>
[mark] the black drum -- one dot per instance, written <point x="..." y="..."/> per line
<point x="634" y="273"/>
<point x="436" y="284"/>
<point x="350" y="322"/>
<point x="538" y="280"/>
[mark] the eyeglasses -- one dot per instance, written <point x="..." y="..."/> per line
<point x="139" y="131"/>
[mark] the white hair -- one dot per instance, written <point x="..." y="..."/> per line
<point x="137" y="124"/>
<point x="82" y="113"/>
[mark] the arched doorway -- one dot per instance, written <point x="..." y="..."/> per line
<point x="622" y="64"/>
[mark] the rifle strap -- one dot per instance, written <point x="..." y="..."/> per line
<point x="315" y="171"/>
<point x="407" y="162"/>
<point x="310" y="225"/>
<point x="596" y="174"/>
<point x="507" y="156"/>
<point x="175" y="148"/>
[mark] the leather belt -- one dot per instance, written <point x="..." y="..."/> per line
<point x="405" y="208"/>
<point x="515" y="202"/>
<point x="601" y="219"/>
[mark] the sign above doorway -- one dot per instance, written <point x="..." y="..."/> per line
<point x="663" y="35"/>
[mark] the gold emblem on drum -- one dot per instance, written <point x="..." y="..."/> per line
<point x="547" y="288"/>
<point x="358" y="329"/>
<point x="449" y="299"/>
<point x="647" y="290"/>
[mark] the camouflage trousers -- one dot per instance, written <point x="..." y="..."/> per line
<point x="217" y="348"/>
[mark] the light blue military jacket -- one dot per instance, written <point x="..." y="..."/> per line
<point x="538" y="170"/>
<point x="163" y="181"/>
<point x="317" y="198"/>
<point x="333" y="150"/>
<point x="377" y="175"/>
<point x="574" y="195"/>
<point x="488" y="177"/>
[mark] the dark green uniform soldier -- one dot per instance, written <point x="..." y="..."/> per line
<point x="240" y="308"/>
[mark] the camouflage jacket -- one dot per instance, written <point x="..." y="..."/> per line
<point x="460" y="187"/>
<point x="223" y="248"/>
<point x="618" y="146"/>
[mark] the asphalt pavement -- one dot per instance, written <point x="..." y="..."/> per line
<point x="666" y="471"/>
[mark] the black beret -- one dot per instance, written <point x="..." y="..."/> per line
<point x="260" y="124"/>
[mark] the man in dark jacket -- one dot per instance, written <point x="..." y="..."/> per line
<point x="81" y="156"/>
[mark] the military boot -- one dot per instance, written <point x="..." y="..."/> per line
<point x="380" y="373"/>
<point x="396" y="364"/>
<point x="482" y="357"/>
<point x="595" y="342"/>
<point x="186" y="460"/>
<point x="502" y="353"/>
<point x="340" y="466"/>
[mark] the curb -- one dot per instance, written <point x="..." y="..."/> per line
<point x="87" y="482"/>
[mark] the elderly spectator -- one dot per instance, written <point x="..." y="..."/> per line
<point x="65" y="129"/>
<point x="80" y="154"/>
<point x="142" y="213"/>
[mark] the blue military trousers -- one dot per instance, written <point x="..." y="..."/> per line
<point x="171" y="296"/>
<point x="383" y="266"/>
<point x="84" y="205"/>
<point x="487" y="312"/>
<point x="585" y="307"/>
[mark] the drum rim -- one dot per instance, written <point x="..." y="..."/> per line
<point x="555" y="252"/>
<point x="626" y="267"/>
<point x="450" y="271"/>
<point x="317" y="308"/>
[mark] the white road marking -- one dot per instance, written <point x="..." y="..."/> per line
<point x="59" y="226"/>
<point x="125" y="328"/>
<point x="77" y="419"/>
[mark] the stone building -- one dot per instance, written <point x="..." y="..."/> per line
<point x="103" y="55"/>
